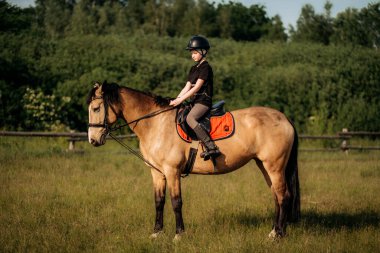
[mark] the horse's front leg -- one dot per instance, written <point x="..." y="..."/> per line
<point x="174" y="183"/>
<point x="159" y="186"/>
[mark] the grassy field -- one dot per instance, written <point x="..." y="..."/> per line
<point x="101" y="200"/>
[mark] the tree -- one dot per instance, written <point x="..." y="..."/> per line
<point x="358" y="27"/>
<point x="208" y="18"/>
<point x="178" y="11"/>
<point x="14" y="19"/>
<point x="135" y="12"/>
<point x="84" y="19"/>
<point x="314" y="27"/>
<point x="57" y="15"/>
<point x="275" y="30"/>
<point x="241" y="23"/>
<point x="371" y="20"/>
<point x="156" y="16"/>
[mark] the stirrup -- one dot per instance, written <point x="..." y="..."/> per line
<point x="207" y="154"/>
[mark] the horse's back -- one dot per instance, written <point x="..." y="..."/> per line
<point x="264" y="129"/>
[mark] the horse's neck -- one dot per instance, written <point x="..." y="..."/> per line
<point x="136" y="105"/>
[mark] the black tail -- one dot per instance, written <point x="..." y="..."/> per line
<point x="291" y="173"/>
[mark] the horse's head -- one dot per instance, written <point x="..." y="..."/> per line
<point x="101" y="112"/>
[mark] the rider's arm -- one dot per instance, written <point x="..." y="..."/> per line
<point x="188" y="93"/>
<point x="185" y="89"/>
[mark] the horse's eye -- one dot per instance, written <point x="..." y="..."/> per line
<point x="97" y="109"/>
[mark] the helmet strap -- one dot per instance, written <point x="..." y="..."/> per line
<point x="202" y="52"/>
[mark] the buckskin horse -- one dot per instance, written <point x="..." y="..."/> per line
<point x="262" y="134"/>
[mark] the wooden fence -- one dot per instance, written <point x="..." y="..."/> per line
<point x="72" y="137"/>
<point x="344" y="137"/>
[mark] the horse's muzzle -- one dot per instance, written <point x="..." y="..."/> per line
<point x="100" y="142"/>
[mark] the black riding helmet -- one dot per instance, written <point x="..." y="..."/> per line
<point x="198" y="43"/>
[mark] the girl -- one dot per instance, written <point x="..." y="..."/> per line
<point x="199" y="88"/>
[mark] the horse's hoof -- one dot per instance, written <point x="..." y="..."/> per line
<point x="156" y="235"/>
<point x="274" y="235"/>
<point x="177" y="238"/>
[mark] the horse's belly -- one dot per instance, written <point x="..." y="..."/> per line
<point x="223" y="165"/>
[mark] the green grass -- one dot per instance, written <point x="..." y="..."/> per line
<point x="101" y="200"/>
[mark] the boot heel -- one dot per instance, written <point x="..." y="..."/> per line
<point x="205" y="155"/>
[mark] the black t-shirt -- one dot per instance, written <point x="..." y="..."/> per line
<point x="204" y="94"/>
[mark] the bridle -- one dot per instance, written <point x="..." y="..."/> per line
<point x="104" y="124"/>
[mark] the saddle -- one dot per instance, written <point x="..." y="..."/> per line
<point x="217" y="122"/>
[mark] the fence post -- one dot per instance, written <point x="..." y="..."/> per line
<point x="344" y="145"/>
<point x="71" y="142"/>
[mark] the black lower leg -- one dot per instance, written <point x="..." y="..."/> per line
<point x="276" y="214"/>
<point x="177" y="207"/>
<point x="283" y="217"/>
<point x="160" y="203"/>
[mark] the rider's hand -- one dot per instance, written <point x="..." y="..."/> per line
<point x="175" y="102"/>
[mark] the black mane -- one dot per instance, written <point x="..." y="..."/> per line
<point x="161" y="101"/>
<point x="158" y="100"/>
<point x="111" y="95"/>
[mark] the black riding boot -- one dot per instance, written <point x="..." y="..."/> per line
<point x="211" y="149"/>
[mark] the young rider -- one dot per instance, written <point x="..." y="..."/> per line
<point x="199" y="88"/>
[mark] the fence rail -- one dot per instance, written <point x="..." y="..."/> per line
<point x="344" y="136"/>
<point x="73" y="137"/>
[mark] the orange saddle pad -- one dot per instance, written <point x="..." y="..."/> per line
<point x="222" y="127"/>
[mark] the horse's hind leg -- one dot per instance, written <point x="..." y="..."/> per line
<point x="159" y="185"/>
<point x="276" y="205"/>
<point x="281" y="197"/>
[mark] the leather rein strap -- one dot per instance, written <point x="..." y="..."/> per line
<point x="149" y="115"/>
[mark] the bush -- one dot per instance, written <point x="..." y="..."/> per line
<point x="320" y="88"/>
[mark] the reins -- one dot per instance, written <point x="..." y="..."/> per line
<point x="134" y="152"/>
<point x="149" y="115"/>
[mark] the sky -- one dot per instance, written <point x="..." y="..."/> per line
<point x="289" y="10"/>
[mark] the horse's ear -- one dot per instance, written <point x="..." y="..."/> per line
<point x="97" y="85"/>
<point x="98" y="89"/>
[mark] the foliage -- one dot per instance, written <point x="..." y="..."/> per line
<point x="352" y="26"/>
<point x="44" y="112"/>
<point x="14" y="19"/>
<point x="319" y="80"/>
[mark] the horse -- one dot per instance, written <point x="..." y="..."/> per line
<point x="262" y="134"/>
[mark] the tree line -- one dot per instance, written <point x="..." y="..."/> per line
<point x="232" y="20"/>
<point x="47" y="68"/>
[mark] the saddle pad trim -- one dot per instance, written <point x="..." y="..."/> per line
<point x="215" y="125"/>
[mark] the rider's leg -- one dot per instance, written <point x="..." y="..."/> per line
<point x="194" y="115"/>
